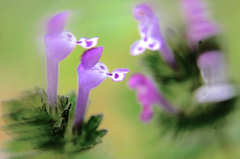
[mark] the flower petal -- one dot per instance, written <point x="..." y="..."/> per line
<point x="153" y="44"/>
<point x="148" y="94"/>
<point x="212" y="67"/>
<point x="199" y="27"/>
<point x="121" y="70"/>
<point x="118" y="74"/>
<point x="215" y="93"/>
<point x="101" y="67"/>
<point x="91" y="57"/>
<point x="90" y="78"/>
<point x="142" y="12"/>
<point x="88" y="43"/>
<point x="136" y="80"/>
<point x="202" y="30"/>
<point x="137" y="48"/>
<point x="59" y="47"/>
<point x="56" y="24"/>
<point x="146" y="114"/>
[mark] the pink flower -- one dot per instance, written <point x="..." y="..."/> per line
<point x="148" y="95"/>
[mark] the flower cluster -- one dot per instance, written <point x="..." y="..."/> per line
<point x="59" y="44"/>
<point x="206" y="60"/>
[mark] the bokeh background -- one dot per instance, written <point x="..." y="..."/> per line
<point x="22" y="66"/>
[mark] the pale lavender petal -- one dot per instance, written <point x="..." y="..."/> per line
<point x="194" y="10"/>
<point x="91" y="57"/>
<point x="146" y="114"/>
<point x="142" y="12"/>
<point x="137" y="48"/>
<point x="199" y="27"/>
<point x="81" y="106"/>
<point x="121" y="70"/>
<point x="61" y="46"/>
<point x="202" y="30"/>
<point x="52" y="81"/>
<point x="212" y="67"/>
<point x="56" y="24"/>
<point x="215" y="93"/>
<point x="88" y="43"/>
<point x="90" y="78"/>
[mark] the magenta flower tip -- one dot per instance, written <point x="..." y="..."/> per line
<point x="148" y="95"/>
<point x="136" y="80"/>
<point x="146" y="114"/>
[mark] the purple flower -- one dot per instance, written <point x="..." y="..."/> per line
<point x="151" y="36"/>
<point x="148" y="95"/>
<point x="199" y="27"/>
<point x="91" y="73"/>
<point x="59" y="44"/>
<point x="213" y="71"/>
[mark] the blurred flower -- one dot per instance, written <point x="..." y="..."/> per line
<point x="199" y="27"/>
<point x="59" y="44"/>
<point x="216" y="88"/>
<point x="91" y="73"/>
<point x="148" y="95"/>
<point x="151" y="36"/>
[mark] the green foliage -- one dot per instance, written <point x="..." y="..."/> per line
<point x="35" y="127"/>
<point x="202" y="116"/>
<point x="178" y="86"/>
<point x="89" y="136"/>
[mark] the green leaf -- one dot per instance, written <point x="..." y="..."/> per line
<point x="93" y="122"/>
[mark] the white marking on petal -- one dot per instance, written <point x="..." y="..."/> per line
<point x="101" y="67"/>
<point x="118" y="76"/>
<point x="88" y="43"/>
<point x="215" y="93"/>
<point x="137" y="48"/>
<point x="153" y="44"/>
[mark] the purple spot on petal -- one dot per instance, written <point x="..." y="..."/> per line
<point x="140" y="48"/>
<point x="79" y="42"/>
<point x="151" y="45"/>
<point x="145" y="39"/>
<point x="69" y="35"/>
<point x="102" y="67"/>
<point x="89" y="43"/>
<point x="116" y="76"/>
<point x="109" y="74"/>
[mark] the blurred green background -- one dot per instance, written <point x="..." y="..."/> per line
<point x="22" y="66"/>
